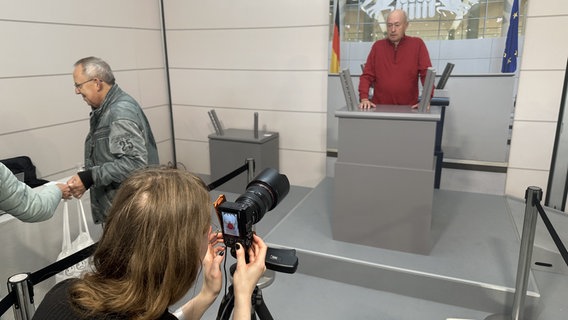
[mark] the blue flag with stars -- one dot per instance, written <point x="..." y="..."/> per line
<point x="511" y="46"/>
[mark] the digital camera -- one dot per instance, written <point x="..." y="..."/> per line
<point x="237" y="218"/>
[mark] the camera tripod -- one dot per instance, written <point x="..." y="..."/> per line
<point x="277" y="259"/>
<point x="258" y="306"/>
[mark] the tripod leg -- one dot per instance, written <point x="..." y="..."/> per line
<point x="260" y="307"/>
<point x="227" y="304"/>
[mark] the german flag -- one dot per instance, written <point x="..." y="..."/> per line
<point x="334" y="66"/>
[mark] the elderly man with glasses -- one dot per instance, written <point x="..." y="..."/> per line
<point x="119" y="141"/>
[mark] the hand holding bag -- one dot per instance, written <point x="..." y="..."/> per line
<point x="69" y="247"/>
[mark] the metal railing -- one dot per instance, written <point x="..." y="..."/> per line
<point x="533" y="197"/>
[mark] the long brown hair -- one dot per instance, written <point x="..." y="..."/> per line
<point x="149" y="254"/>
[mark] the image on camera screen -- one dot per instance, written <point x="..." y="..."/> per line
<point x="230" y="224"/>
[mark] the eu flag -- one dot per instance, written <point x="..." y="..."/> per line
<point x="511" y="46"/>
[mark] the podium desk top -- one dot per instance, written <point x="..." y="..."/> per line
<point x="395" y="112"/>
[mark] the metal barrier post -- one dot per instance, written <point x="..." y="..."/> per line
<point x="21" y="285"/>
<point x="250" y="170"/>
<point x="533" y="195"/>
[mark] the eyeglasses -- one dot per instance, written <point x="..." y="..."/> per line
<point x="79" y="85"/>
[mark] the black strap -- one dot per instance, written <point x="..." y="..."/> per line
<point x="553" y="234"/>
<point x="7" y="302"/>
<point x="215" y="184"/>
<point x="62" y="264"/>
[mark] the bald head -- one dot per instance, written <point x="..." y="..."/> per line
<point x="397" y="22"/>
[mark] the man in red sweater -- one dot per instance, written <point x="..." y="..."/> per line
<point x="393" y="66"/>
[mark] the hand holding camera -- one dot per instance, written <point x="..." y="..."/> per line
<point x="246" y="274"/>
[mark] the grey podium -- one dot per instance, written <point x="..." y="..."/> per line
<point x="230" y="151"/>
<point x="384" y="177"/>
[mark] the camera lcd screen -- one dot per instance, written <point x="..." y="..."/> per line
<point x="230" y="224"/>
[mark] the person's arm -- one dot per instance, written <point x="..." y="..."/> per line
<point x="424" y="63"/>
<point x="213" y="281"/>
<point x="127" y="148"/>
<point x="367" y="80"/>
<point x="246" y="277"/>
<point x="25" y="203"/>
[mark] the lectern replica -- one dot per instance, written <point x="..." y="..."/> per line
<point x="384" y="177"/>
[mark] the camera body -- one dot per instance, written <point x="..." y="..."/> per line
<point x="236" y="222"/>
<point x="237" y="218"/>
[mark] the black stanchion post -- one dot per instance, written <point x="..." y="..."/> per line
<point x="21" y="285"/>
<point x="250" y="169"/>
<point x="533" y="195"/>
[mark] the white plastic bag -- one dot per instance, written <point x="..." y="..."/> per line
<point x="69" y="247"/>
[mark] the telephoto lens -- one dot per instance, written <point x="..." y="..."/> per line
<point x="264" y="193"/>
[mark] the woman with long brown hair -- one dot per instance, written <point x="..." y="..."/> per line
<point x="156" y="241"/>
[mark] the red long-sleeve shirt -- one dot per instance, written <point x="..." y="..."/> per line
<point x="393" y="71"/>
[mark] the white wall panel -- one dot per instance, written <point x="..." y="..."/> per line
<point x="194" y="155"/>
<point x="54" y="100"/>
<point x="279" y="90"/>
<point x="542" y="104"/>
<point x="39" y="101"/>
<point x="165" y="151"/>
<point x="534" y="144"/>
<point x="518" y="180"/>
<point x="52" y="49"/>
<point x="244" y="14"/>
<point x="153" y="87"/>
<point x="159" y="118"/>
<point x="148" y="87"/>
<point x="249" y="48"/>
<point x="434" y="48"/>
<point x="193" y="123"/>
<point x="545" y="49"/>
<point x="355" y="50"/>
<point x="53" y="149"/>
<point x="305" y="169"/>
<point x="465" y="49"/>
<point x="547" y="7"/>
<point x="242" y="57"/>
<point x="123" y="13"/>
<point x="540" y="86"/>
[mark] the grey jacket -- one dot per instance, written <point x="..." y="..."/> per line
<point x="119" y="142"/>
<point x="25" y="203"/>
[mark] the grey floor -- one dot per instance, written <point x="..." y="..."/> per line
<point x="469" y="274"/>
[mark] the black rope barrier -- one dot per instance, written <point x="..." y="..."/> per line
<point x="7" y="302"/>
<point x="215" y="184"/>
<point x="553" y="233"/>
<point x="60" y="265"/>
